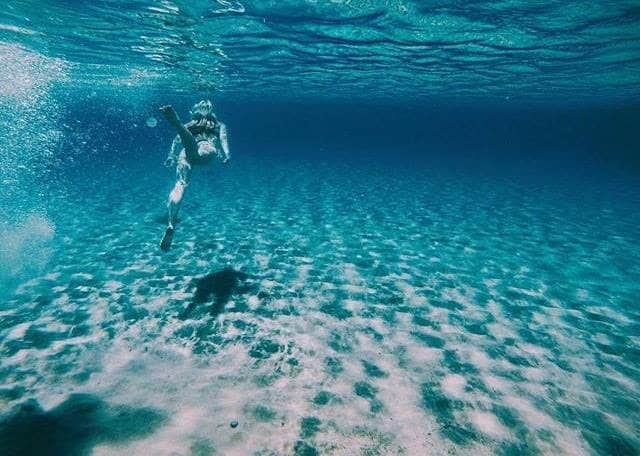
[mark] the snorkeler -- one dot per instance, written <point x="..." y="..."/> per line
<point x="195" y="144"/>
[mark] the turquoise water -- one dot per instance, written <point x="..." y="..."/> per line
<point x="426" y="242"/>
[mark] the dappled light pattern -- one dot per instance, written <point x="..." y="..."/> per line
<point x="472" y="314"/>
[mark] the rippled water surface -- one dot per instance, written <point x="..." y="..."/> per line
<point x="463" y="50"/>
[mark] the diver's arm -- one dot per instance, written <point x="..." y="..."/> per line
<point x="224" y="143"/>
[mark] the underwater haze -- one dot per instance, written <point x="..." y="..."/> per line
<point x="426" y="241"/>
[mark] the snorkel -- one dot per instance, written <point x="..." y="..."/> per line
<point x="203" y="110"/>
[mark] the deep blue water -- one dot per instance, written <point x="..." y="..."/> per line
<point x="426" y="241"/>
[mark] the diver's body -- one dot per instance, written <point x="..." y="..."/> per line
<point x="195" y="144"/>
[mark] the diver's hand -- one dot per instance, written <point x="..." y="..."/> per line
<point x="225" y="160"/>
<point x="169" y="162"/>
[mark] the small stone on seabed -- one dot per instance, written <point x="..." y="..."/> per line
<point x="234" y="424"/>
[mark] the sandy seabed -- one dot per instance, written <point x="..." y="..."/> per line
<point x="329" y="310"/>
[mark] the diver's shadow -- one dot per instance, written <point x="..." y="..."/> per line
<point x="74" y="427"/>
<point x="217" y="288"/>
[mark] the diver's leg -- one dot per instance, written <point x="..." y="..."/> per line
<point x="175" y="200"/>
<point x="173" y="205"/>
<point x="188" y="140"/>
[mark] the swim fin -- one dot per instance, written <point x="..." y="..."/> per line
<point x="165" y="243"/>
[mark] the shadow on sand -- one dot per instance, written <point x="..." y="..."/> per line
<point x="217" y="287"/>
<point x="74" y="427"/>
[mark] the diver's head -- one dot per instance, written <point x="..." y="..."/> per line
<point x="203" y="110"/>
